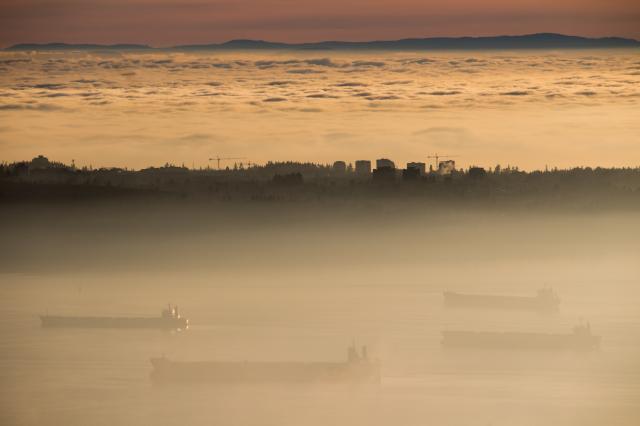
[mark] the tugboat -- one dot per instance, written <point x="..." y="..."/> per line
<point x="544" y="300"/>
<point x="580" y="339"/>
<point x="358" y="368"/>
<point x="169" y="319"/>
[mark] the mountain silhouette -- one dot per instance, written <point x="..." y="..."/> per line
<point x="530" y="41"/>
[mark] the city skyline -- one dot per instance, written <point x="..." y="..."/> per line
<point x="429" y="163"/>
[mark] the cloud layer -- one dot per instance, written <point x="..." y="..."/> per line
<point x="299" y="99"/>
<point x="335" y="82"/>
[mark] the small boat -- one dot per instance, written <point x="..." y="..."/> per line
<point x="169" y="319"/>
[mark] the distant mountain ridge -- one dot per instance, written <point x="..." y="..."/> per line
<point x="530" y="41"/>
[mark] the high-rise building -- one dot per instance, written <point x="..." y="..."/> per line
<point x="39" y="163"/>
<point x="384" y="163"/>
<point x="385" y="171"/>
<point x="476" y="172"/>
<point x="411" y="173"/>
<point x="421" y="167"/>
<point x="339" y="167"/>
<point x="446" y="167"/>
<point x="363" y="168"/>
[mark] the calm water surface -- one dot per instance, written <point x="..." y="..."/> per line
<point x="80" y="377"/>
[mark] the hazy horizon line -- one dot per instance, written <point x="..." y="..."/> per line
<point x="249" y="164"/>
<point x="321" y="41"/>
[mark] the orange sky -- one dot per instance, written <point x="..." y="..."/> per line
<point x="169" y="22"/>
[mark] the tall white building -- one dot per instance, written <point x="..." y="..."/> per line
<point x="446" y="167"/>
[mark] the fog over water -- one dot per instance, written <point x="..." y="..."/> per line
<point x="298" y="283"/>
<point x="531" y="109"/>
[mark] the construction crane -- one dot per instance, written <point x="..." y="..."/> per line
<point x="437" y="157"/>
<point x="224" y="158"/>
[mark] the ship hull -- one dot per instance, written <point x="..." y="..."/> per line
<point x="166" y="371"/>
<point x="460" y="300"/>
<point x="49" y="321"/>
<point x="523" y="341"/>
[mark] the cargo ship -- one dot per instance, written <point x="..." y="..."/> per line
<point x="544" y="300"/>
<point x="169" y="319"/>
<point x="580" y="339"/>
<point x="358" y="368"/>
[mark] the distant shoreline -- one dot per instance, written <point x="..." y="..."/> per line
<point x="515" y="42"/>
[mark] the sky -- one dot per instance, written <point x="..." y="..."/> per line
<point x="170" y="22"/>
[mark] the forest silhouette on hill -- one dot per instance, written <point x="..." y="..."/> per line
<point x="294" y="181"/>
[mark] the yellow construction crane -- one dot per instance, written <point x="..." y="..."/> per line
<point x="437" y="157"/>
<point x="224" y="158"/>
